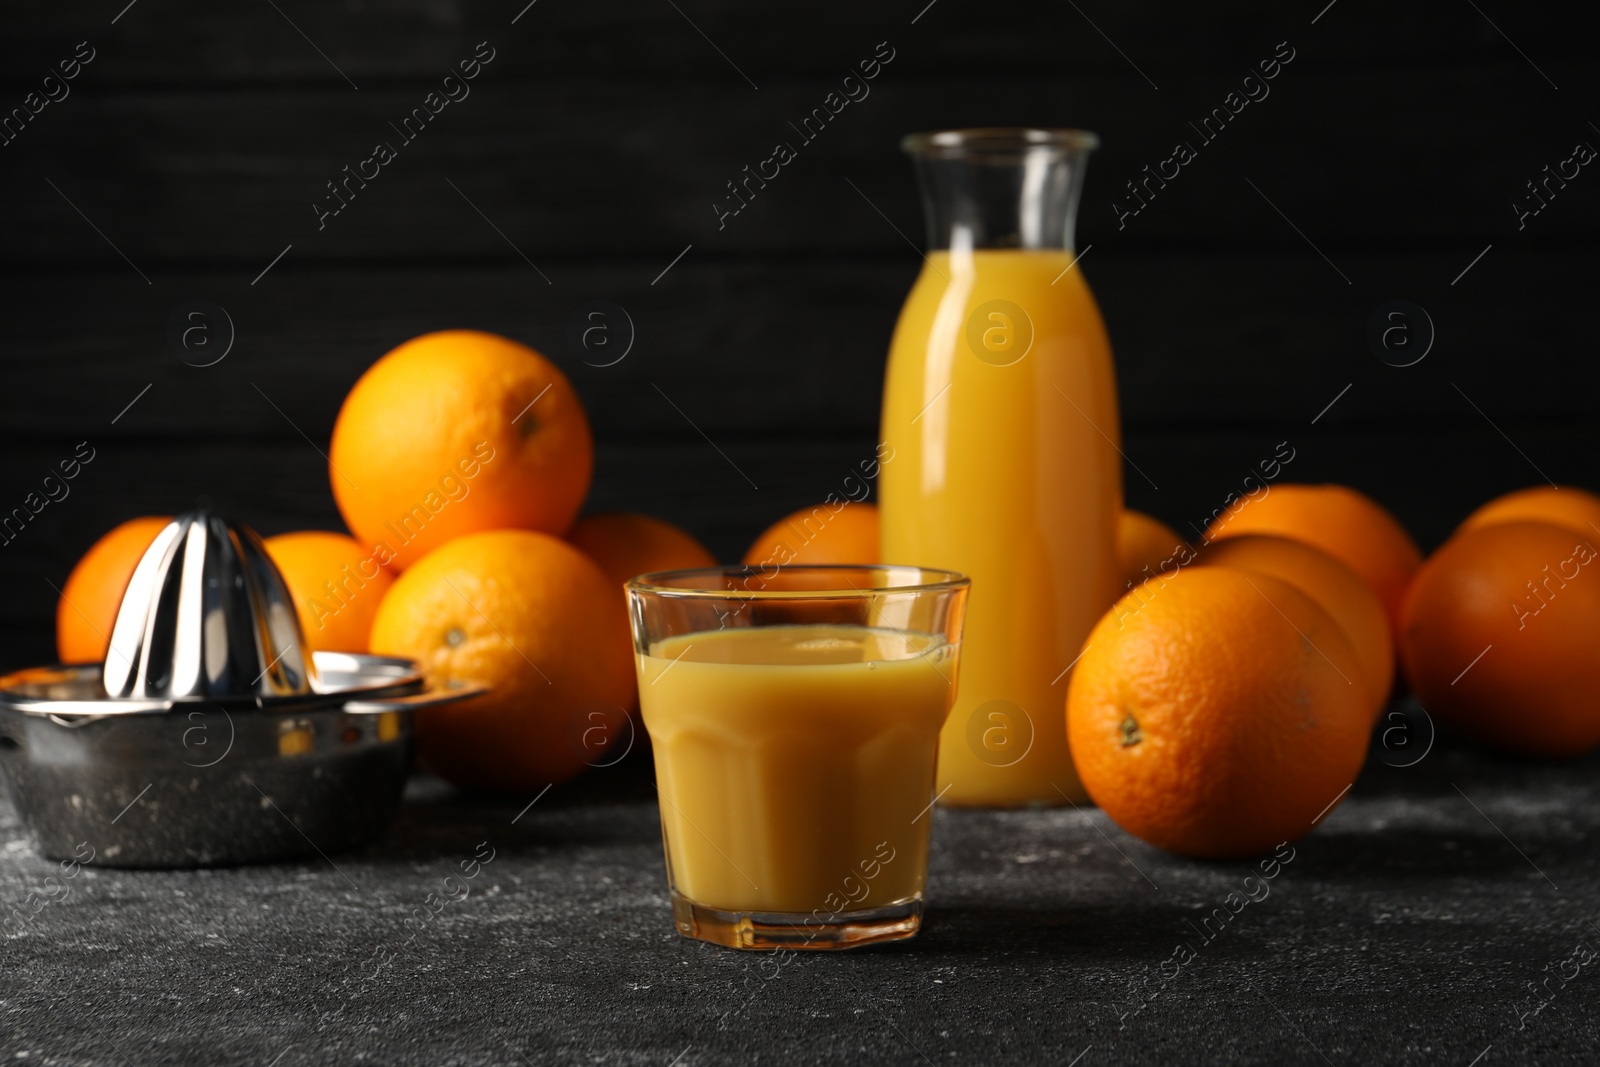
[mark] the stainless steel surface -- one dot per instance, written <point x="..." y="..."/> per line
<point x="212" y="734"/>
<point x="359" y="683"/>
<point x="206" y="615"/>
<point x="205" y="786"/>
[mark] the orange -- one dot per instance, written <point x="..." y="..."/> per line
<point x="93" y="592"/>
<point x="456" y="432"/>
<point x="540" y="623"/>
<point x="1337" y="589"/>
<point x="625" y="545"/>
<point x="846" y="533"/>
<point x="1146" y="546"/>
<point x="1349" y="526"/>
<point x="1501" y="639"/>
<point x="1217" y="713"/>
<point x="335" y="584"/>
<point x="1576" y="509"/>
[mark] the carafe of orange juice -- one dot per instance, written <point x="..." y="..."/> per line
<point x="1002" y="457"/>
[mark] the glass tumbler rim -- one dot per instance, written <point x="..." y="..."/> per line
<point x="661" y="583"/>
<point x="999" y="141"/>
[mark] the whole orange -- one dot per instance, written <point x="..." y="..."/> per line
<point x="625" y="545"/>
<point x="1501" y="639"/>
<point x="539" y="622"/>
<point x="457" y="432"/>
<point x="1219" y="715"/>
<point x="846" y="533"/>
<point x="1146" y="546"/>
<point x="1336" y="588"/>
<point x="1576" y="509"/>
<point x="1349" y="526"/>
<point x="335" y="584"/>
<point x="93" y="591"/>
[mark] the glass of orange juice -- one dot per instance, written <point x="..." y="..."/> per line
<point x="795" y="716"/>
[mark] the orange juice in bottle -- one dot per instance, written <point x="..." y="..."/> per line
<point x="1000" y="409"/>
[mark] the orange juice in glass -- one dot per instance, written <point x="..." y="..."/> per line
<point x="1000" y="409"/>
<point x="795" y="715"/>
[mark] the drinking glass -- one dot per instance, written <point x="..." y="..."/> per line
<point x="795" y="715"/>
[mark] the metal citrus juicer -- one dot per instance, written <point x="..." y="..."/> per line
<point x="210" y="735"/>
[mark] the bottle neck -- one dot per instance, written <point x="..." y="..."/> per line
<point x="1000" y="190"/>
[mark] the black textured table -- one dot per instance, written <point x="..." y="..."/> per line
<point x="1414" y="926"/>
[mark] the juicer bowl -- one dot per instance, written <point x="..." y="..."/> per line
<point x="199" y="784"/>
<point x="212" y="733"/>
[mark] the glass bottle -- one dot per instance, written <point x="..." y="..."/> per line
<point x="1000" y="448"/>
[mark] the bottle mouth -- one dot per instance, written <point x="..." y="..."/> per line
<point x="997" y="143"/>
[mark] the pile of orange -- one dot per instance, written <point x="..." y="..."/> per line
<point x="1224" y="704"/>
<point x="1500" y="631"/>
<point x="459" y="461"/>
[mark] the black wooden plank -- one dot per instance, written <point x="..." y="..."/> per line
<point x="609" y="168"/>
<point x="194" y="42"/>
<point x="1203" y="342"/>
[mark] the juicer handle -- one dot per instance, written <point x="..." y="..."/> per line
<point x="451" y="693"/>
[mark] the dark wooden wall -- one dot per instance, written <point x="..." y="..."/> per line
<point x="600" y="135"/>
